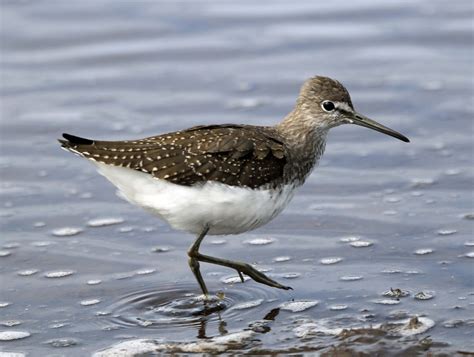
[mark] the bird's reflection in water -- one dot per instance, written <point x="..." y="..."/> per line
<point x="259" y="326"/>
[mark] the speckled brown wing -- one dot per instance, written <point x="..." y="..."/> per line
<point x="231" y="154"/>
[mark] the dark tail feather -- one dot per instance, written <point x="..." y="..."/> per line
<point x="76" y="140"/>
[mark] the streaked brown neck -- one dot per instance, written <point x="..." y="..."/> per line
<point x="305" y="140"/>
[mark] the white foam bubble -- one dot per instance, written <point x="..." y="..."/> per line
<point x="349" y="239"/>
<point x="391" y="271"/>
<point x="424" y="251"/>
<point x="291" y="275"/>
<point x="298" y="305"/>
<point x="10" y="323"/>
<point x="105" y="221"/>
<point x="11" y="335"/>
<point x="424" y="295"/>
<point x="330" y="260"/>
<point x="281" y="259"/>
<point x="446" y="232"/>
<point x="396" y="293"/>
<point x="28" y="272"/>
<point x="386" y="301"/>
<point x="217" y="344"/>
<point x="218" y="241"/>
<point x="259" y="241"/>
<point x="62" y="342"/>
<point x="392" y="199"/>
<point x="94" y="282"/>
<point x="469" y="255"/>
<point x="90" y="302"/>
<point x="351" y="277"/>
<point x="313" y="328"/>
<point x="12" y="354"/>
<point x="59" y="274"/>
<point x="161" y="249"/>
<point x="42" y="243"/>
<point x="66" y="231"/>
<point x="413" y="326"/>
<point x="361" y="244"/>
<point x="145" y="271"/>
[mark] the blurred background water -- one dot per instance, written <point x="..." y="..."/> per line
<point x="82" y="270"/>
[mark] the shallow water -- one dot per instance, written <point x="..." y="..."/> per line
<point x="82" y="271"/>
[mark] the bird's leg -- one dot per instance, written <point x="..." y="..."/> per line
<point x="193" y="253"/>
<point x="242" y="268"/>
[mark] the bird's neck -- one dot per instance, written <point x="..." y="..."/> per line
<point x="305" y="141"/>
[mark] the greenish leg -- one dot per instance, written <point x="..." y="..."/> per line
<point x="242" y="268"/>
<point x="193" y="253"/>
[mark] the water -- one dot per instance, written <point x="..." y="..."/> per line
<point x="381" y="232"/>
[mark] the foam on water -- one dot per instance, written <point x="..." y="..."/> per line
<point x="105" y="221"/>
<point x="28" y="272"/>
<point x="424" y="295"/>
<point x="214" y="345"/>
<point x="283" y="258"/>
<point x="62" y="342"/>
<point x="331" y="260"/>
<point x="11" y="335"/>
<point x="260" y="241"/>
<point x="351" y="277"/>
<point x="386" y="301"/>
<point x="423" y="251"/>
<point x="59" y="274"/>
<point x="298" y="305"/>
<point x="93" y="282"/>
<point x="90" y="302"/>
<point x="447" y="232"/>
<point x="12" y="354"/>
<point x="361" y="244"/>
<point x="66" y="231"/>
<point x="349" y="239"/>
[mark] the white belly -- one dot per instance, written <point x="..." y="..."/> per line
<point x="226" y="209"/>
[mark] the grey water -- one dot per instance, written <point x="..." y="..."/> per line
<point x="83" y="272"/>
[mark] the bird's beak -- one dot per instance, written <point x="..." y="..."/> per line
<point x="359" y="119"/>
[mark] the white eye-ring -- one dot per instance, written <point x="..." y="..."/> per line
<point x="328" y="106"/>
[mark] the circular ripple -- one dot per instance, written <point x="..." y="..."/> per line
<point x="181" y="305"/>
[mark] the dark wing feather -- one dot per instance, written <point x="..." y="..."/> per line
<point x="233" y="154"/>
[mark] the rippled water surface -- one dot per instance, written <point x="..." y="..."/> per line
<point x="378" y="245"/>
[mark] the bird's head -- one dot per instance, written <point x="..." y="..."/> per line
<point x="328" y="104"/>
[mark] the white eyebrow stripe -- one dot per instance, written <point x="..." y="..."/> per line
<point x="343" y="106"/>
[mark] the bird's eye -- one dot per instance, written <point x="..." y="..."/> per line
<point x="328" y="106"/>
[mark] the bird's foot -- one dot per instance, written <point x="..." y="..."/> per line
<point x="242" y="268"/>
<point x="258" y="276"/>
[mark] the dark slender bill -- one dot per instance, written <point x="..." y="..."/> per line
<point x="361" y="120"/>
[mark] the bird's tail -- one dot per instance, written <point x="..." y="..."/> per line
<point x="75" y="144"/>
